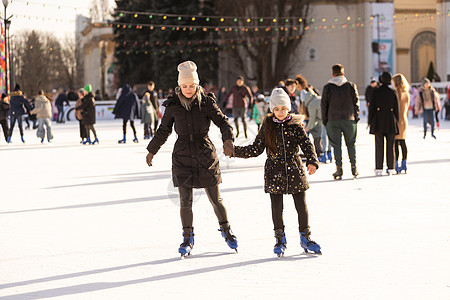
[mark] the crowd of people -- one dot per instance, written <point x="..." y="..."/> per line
<point x="295" y="124"/>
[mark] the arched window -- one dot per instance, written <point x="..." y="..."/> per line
<point x="423" y="52"/>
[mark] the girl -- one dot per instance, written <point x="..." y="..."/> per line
<point x="402" y="87"/>
<point x="281" y="135"/>
<point x="194" y="159"/>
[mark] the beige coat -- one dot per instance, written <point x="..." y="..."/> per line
<point x="403" y="105"/>
<point x="42" y="107"/>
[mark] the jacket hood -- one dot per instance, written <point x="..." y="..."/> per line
<point x="338" y="80"/>
<point x="42" y="98"/>
<point x="296" y="119"/>
<point x="126" y="88"/>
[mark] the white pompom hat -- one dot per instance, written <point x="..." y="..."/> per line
<point x="279" y="97"/>
<point x="187" y="73"/>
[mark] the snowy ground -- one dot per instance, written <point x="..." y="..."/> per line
<point x="94" y="222"/>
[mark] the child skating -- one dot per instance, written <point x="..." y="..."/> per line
<point x="281" y="135"/>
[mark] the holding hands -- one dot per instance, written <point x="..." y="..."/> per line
<point x="228" y="148"/>
<point x="311" y="169"/>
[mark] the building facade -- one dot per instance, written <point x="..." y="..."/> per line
<point x="411" y="35"/>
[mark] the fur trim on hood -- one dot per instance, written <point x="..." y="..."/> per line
<point x="16" y="93"/>
<point x="296" y="119"/>
<point x="338" y="80"/>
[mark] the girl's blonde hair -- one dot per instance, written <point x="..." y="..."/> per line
<point x="400" y="82"/>
<point x="186" y="102"/>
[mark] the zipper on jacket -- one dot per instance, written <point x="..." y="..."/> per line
<point x="285" y="161"/>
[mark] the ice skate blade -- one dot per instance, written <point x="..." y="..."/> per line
<point x="280" y="255"/>
<point x="337" y="177"/>
<point x="312" y="252"/>
<point x="184" y="256"/>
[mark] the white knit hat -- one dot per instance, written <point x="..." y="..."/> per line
<point x="279" y="97"/>
<point x="187" y="73"/>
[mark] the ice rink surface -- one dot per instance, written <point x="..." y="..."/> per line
<point x="95" y="222"/>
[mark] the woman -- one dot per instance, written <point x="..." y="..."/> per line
<point x="194" y="160"/>
<point x="127" y="108"/>
<point x="88" y="108"/>
<point x="402" y="87"/>
<point x="383" y="120"/>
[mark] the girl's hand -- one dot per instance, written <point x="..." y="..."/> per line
<point x="311" y="169"/>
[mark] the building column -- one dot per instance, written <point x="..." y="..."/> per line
<point x="443" y="40"/>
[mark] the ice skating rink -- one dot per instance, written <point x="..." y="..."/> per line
<point x="95" y="222"/>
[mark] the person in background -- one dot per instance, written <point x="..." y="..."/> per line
<point x="427" y="103"/>
<point x="221" y="98"/>
<point x="402" y="88"/>
<point x="373" y="85"/>
<point x="43" y="112"/>
<point x="148" y="115"/>
<point x="241" y="95"/>
<point x="59" y="102"/>
<point x="127" y="108"/>
<point x="88" y="108"/>
<point x="79" y="115"/>
<point x="340" y="114"/>
<point x="383" y="121"/>
<point x="289" y="88"/>
<point x="4" y="108"/>
<point x="16" y="111"/>
<point x="152" y="97"/>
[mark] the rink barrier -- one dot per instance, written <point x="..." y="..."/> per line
<point x="103" y="109"/>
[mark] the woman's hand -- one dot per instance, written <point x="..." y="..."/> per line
<point x="311" y="169"/>
<point x="228" y="148"/>
<point x="149" y="159"/>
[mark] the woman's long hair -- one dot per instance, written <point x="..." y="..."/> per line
<point x="270" y="137"/>
<point x="185" y="102"/>
<point x="400" y="82"/>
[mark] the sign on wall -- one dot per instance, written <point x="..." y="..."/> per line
<point x="383" y="33"/>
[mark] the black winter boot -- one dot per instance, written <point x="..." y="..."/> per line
<point x="354" y="171"/>
<point x="338" y="174"/>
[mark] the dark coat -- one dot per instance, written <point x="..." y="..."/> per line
<point x="61" y="99"/>
<point x="4" y="108"/>
<point x="194" y="159"/>
<point x="18" y="104"/>
<point x="127" y="106"/>
<point x="283" y="171"/>
<point x="340" y="102"/>
<point x="383" y="111"/>
<point x="88" y="107"/>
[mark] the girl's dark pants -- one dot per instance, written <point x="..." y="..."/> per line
<point x="300" y="206"/>
<point x="186" y="197"/>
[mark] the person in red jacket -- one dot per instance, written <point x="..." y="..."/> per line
<point x="241" y="93"/>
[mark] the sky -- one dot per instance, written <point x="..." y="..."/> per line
<point x="55" y="16"/>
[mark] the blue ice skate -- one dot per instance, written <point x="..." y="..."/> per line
<point x="280" y="246"/>
<point x="403" y="167"/>
<point x="229" y="237"/>
<point x="308" y="244"/>
<point x="186" y="246"/>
